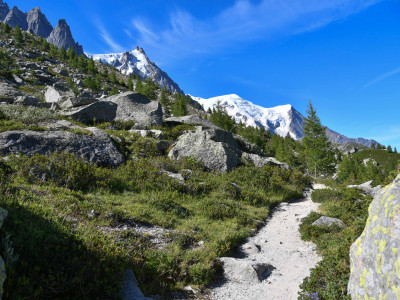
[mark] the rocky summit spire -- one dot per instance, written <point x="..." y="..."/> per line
<point x="4" y="10"/>
<point x="16" y="17"/>
<point x="38" y="23"/>
<point x="62" y="36"/>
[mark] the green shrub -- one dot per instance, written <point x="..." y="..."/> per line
<point x="323" y="195"/>
<point x="27" y="115"/>
<point x="61" y="169"/>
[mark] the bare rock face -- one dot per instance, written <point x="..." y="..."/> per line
<point x="4" y="10"/>
<point x="136" y="107"/>
<point x="62" y="36"/>
<point x="374" y="256"/>
<point x="216" y="148"/>
<point x="191" y="120"/>
<point x="101" y="111"/>
<point x="97" y="148"/>
<point x="8" y="93"/>
<point x="38" y="23"/>
<point x="260" y="161"/>
<point x="16" y="17"/>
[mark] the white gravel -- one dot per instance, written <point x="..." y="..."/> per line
<point x="280" y="246"/>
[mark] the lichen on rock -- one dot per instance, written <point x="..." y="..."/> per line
<point x="375" y="260"/>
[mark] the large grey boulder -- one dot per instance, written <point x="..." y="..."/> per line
<point x="191" y="119"/>
<point x="367" y="187"/>
<point x="26" y="101"/>
<point x="245" y="271"/>
<point x="16" y="17"/>
<point x="38" y="23"/>
<point x="374" y="256"/>
<point x="52" y="95"/>
<point x="136" y="107"/>
<point x="216" y="148"/>
<point x="97" y="148"/>
<point x="260" y="161"/>
<point x="8" y="93"/>
<point x="77" y="101"/>
<point x="101" y="111"/>
<point x="328" y="221"/>
<point x="62" y="36"/>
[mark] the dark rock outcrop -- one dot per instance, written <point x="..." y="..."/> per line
<point x="216" y="148"/>
<point x="16" y="17"/>
<point x="101" y="111"/>
<point x="97" y="148"/>
<point x="136" y="107"/>
<point x="62" y="36"/>
<point x="38" y="23"/>
<point x="191" y="119"/>
<point x="374" y="256"/>
<point x="4" y="10"/>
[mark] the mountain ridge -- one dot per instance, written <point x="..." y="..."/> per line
<point x="282" y="119"/>
<point x="137" y="62"/>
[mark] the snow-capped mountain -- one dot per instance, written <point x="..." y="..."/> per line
<point x="282" y="120"/>
<point x="136" y="61"/>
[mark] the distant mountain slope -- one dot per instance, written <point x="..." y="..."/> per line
<point x="136" y="61"/>
<point x="36" y="22"/>
<point x="282" y="120"/>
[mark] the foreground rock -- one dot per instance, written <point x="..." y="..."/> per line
<point x="135" y="107"/>
<point x="375" y="259"/>
<point x="101" y="111"/>
<point x="367" y="187"/>
<point x="97" y="148"/>
<point x="216" y="148"/>
<point x="328" y="221"/>
<point x="130" y="287"/>
<point x="260" y="161"/>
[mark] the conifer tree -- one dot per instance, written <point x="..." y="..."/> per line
<point x="317" y="148"/>
<point x="395" y="150"/>
<point x="130" y="83"/>
<point x="71" y="53"/>
<point x="113" y="77"/>
<point x="18" y="36"/>
<point x="91" y="67"/>
<point x="163" y="97"/>
<point x="139" y="85"/>
<point x="389" y="149"/>
<point x="62" y="53"/>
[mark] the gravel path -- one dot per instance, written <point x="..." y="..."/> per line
<point x="274" y="262"/>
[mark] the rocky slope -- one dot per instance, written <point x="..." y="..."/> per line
<point x="36" y="22"/>
<point x="137" y="62"/>
<point x="282" y="120"/>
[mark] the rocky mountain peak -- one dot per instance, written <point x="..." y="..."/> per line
<point x="4" y="10"/>
<point x="16" y="17"/>
<point x="62" y="36"/>
<point x="38" y="23"/>
<point x="137" y="62"/>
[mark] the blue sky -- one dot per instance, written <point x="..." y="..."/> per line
<point x="344" y="55"/>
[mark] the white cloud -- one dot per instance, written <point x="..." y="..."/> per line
<point x="243" y="22"/>
<point x="112" y="44"/>
<point x="382" y="77"/>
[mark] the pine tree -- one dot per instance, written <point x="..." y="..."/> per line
<point x="18" y="36"/>
<point x="113" y="77"/>
<point x="317" y="148"/>
<point x="130" y="83"/>
<point x="395" y="150"/>
<point x="71" y="53"/>
<point x="389" y="149"/>
<point x="62" y="53"/>
<point x="91" y="67"/>
<point x="163" y="97"/>
<point x="139" y="85"/>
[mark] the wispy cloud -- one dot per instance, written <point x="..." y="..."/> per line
<point x="382" y="77"/>
<point x="112" y="44"/>
<point x="243" y="22"/>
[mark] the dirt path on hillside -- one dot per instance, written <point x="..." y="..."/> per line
<point x="274" y="262"/>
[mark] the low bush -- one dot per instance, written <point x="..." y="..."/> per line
<point x="330" y="277"/>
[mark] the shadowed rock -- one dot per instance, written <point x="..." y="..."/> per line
<point x="97" y="148"/>
<point x="4" y="10"/>
<point x="16" y="17"/>
<point x="38" y="23"/>
<point x="136" y="107"/>
<point x="101" y="111"/>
